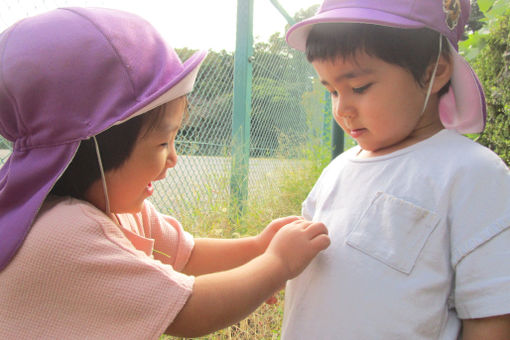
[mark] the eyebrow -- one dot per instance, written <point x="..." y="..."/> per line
<point x="350" y="75"/>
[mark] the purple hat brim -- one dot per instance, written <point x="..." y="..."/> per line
<point x="297" y="34"/>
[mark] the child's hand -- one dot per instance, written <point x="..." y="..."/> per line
<point x="265" y="237"/>
<point x="224" y="297"/>
<point x="297" y="243"/>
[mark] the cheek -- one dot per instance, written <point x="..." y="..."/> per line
<point x="411" y="95"/>
<point x="399" y="102"/>
<point x="340" y="121"/>
<point x="336" y="114"/>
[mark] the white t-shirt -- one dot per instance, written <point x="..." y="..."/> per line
<point x="419" y="239"/>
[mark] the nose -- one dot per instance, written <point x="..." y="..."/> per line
<point x="171" y="160"/>
<point x="342" y="108"/>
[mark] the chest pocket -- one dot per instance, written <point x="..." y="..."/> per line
<point x="393" y="231"/>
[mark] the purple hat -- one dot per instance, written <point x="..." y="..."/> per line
<point x="463" y="108"/>
<point x="65" y="76"/>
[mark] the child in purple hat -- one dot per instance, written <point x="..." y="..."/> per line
<point x="418" y="215"/>
<point x="92" y="100"/>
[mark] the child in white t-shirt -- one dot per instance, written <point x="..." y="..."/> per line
<point x="418" y="214"/>
<point x="92" y="100"/>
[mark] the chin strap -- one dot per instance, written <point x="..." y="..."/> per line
<point x="103" y="179"/>
<point x="433" y="74"/>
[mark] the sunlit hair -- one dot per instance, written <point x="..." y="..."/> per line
<point x="411" y="49"/>
<point x="155" y="116"/>
<point x="116" y="145"/>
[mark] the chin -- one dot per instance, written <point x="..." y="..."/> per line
<point x="370" y="148"/>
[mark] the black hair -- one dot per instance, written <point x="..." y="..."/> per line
<point x="115" y="145"/>
<point x="411" y="49"/>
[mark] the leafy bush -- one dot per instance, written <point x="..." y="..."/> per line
<point x="493" y="67"/>
<point x="487" y="48"/>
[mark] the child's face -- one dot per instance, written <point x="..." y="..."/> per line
<point x="377" y="103"/>
<point x="153" y="153"/>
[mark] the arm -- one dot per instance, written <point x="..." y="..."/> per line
<point x="214" y="255"/>
<point x="223" y="298"/>
<point x="491" y="328"/>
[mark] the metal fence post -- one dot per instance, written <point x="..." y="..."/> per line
<point x="282" y="11"/>
<point x="242" y="107"/>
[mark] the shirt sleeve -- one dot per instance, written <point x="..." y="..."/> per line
<point x="480" y="235"/>
<point x="173" y="245"/>
<point x="483" y="280"/>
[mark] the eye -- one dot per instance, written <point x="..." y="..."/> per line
<point x="360" y="90"/>
<point x="165" y="145"/>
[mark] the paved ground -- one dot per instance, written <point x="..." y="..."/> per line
<point x="205" y="180"/>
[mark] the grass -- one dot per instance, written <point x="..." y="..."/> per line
<point x="282" y="197"/>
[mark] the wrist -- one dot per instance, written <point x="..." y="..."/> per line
<point x="276" y="268"/>
<point x="259" y="244"/>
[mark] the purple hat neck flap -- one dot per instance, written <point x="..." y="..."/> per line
<point x="463" y="109"/>
<point x="67" y="75"/>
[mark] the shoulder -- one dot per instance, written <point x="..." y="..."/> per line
<point x="478" y="188"/>
<point x="471" y="172"/>
<point x="71" y="213"/>
<point x="59" y="211"/>
<point x="67" y="224"/>
<point x="454" y="153"/>
<point x="478" y="160"/>
<point x="450" y="143"/>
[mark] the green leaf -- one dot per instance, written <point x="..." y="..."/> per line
<point x="485" y="5"/>
<point x="499" y="8"/>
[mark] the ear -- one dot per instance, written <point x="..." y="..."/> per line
<point x="443" y="73"/>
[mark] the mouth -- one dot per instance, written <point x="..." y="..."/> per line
<point x="355" y="133"/>
<point x="149" y="188"/>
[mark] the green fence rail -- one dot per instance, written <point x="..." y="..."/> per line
<point x="253" y="113"/>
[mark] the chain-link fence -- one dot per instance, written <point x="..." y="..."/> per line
<point x="286" y="109"/>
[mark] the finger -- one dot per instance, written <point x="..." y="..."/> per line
<point x="321" y="242"/>
<point x="302" y="223"/>
<point x="315" y="229"/>
<point x="286" y="220"/>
